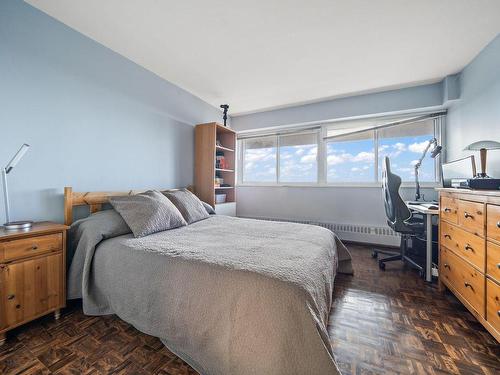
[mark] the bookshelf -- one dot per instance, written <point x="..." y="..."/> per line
<point x="212" y="139"/>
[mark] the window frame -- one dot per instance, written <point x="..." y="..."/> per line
<point x="322" y="165"/>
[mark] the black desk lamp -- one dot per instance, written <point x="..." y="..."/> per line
<point x="435" y="152"/>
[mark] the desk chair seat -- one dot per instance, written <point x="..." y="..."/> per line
<point x="399" y="218"/>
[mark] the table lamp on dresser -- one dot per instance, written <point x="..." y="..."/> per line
<point x="13" y="225"/>
<point x="483" y="147"/>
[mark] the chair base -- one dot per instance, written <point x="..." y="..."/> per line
<point x="397" y="256"/>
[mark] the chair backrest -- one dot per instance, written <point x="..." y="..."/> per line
<point x="395" y="208"/>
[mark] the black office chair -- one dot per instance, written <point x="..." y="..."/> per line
<point x="399" y="218"/>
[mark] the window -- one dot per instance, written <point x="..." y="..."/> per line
<point x="298" y="157"/>
<point x="351" y="158"/>
<point x="404" y="145"/>
<point x="348" y="152"/>
<point x="259" y="159"/>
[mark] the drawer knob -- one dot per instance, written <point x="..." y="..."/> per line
<point x="11" y="296"/>
<point x="468" y="215"/>
<point x="446" y="209"/>
<point x="446" y="265"/>
<point x="34" y="247"/>
<point x="498" y="224"/>
<point x="18" y="306"/>
<point x="468" y="247"/>
<point x="467" y="285"/>
<point x="498" y="266"/>
<point x="498" y="312"/>
<point x="447" y="236"/>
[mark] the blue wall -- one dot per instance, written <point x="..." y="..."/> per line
<point x="476" y="116"/>
<point x="95" y="120"/>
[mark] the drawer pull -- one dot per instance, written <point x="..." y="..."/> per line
<point x="468" y="215"/>
<point x="447" y="236"/>
<point x="446" y="209"/>
<point x="34" y="247"/>
<point x="498" y="266"/>
<point x="498" y="312"/>
<point x="18" y="306"/>
<point x="11" y="296"/>
<point x="498" y="224"/>
<point x="467" y="285"/>
<point x="446" y="265"/>
<point x="468" y="247"/>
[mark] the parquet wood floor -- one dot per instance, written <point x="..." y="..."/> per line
<point x="381" y="323"/>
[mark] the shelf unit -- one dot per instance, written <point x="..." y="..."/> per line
<point x="206" y="137"/>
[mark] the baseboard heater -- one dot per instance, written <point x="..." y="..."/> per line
<point x="350" y="232"/>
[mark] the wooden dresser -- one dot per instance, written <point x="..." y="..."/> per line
<point x="32" y="274"/>
<point x="469" y="255"/>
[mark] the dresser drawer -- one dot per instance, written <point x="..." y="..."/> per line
<point x="493" y="223"/>
<point x="449" y="209"/>
<point x="493" y="304"/>
<point x="465" y="244"/>
<point x="471" y="216"/>
<point x="464" y="279"/>
<point x="493" y="260"/>
<point x="27" y="247"/>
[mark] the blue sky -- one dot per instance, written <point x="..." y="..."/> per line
<point x="347" y="161"/>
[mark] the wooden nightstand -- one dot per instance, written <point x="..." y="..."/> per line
<point x="32" y="274"/>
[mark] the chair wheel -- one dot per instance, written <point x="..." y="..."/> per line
<point x="381" y="265"/>
<point x="374" y="254"/>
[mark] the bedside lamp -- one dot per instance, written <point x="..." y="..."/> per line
<point x="13" y="225"/>
<point x="483" y="147"/>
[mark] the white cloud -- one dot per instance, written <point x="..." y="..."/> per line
<point x="260" y="154"/>
<point x="308" y="158"/>
<point x="399" y="146"/>
<point x="300" y="151"/>
<point x="335" y="159"/>
<point x="364" y="156"/>
<point x="355" y="169"/>
<point x="413" y="162"/>
<point x="418" y="147"/>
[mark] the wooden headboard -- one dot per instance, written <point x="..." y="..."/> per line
<point x="93" y="199"/>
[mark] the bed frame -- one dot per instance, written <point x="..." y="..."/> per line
<point x="94" y="199"/>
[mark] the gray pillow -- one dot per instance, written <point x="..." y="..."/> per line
<point x="210" y="209"/>
<point x="188" y="204"/>
<point x="148" y="212"/>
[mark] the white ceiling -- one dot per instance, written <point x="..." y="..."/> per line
<point x="263" y="54"/>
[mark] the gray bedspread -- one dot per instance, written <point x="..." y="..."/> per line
<point x="228" y="295"/>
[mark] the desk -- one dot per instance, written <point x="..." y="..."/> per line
<point x="428" y="230"/>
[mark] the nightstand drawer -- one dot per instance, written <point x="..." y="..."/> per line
<point x="27" y="247"/>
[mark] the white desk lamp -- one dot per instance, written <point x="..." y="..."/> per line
<point x="13" y="225"/>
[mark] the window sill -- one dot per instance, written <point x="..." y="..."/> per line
<point x="405" y="185"/>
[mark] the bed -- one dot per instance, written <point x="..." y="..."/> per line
<point x="227" y="295"/>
